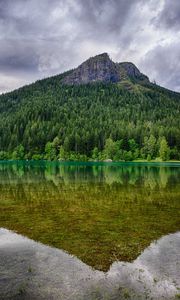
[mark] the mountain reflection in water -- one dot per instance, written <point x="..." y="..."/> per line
<point x="99" y="212"/>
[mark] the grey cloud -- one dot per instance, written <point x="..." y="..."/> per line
<point x="169" y="17"/>
<point x="28" y="36"/>
<point x="16" y="57"/>
<point x="105" y="15"/>
<point x="166" y="60"/>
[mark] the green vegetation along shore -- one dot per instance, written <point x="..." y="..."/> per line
<point x="152" y="150"/>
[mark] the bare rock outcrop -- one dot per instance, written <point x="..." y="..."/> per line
<point x="101" y="68"/>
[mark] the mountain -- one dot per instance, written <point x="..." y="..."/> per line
<point x="102" y="69"/>
<point x="100" y="110"/>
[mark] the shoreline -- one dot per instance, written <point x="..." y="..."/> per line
<point x="95" y="162"/>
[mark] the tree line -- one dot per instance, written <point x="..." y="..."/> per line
<point x="114" y="151"/>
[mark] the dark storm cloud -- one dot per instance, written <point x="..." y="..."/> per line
<point x="45" y="37"/>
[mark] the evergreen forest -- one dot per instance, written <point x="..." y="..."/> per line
<point x="95" y="121"/>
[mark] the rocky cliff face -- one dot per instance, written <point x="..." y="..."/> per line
<point x="132" y="71"/>
<point x="101" y="68"/>
<point x="98" y="68"/>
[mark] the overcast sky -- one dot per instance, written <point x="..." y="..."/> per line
<point x="39" y="38"/>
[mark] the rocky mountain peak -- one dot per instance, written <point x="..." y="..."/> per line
<point x="101" y="68"/>
<point x="97" y="68"/>
<point x="104" y="55"/>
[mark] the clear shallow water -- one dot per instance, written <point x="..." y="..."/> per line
<point x="99" y="212"/>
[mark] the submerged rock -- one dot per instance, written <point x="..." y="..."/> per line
<point x="30" y="270"/>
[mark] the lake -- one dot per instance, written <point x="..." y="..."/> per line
<point x="99" y="212"/>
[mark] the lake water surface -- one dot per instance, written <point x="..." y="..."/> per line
<point x="98" y="212"/>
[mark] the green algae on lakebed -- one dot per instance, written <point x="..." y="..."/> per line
<point x="98" y="212"/>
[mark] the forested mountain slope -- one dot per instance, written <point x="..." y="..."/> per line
<point x="100" y="110"/>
